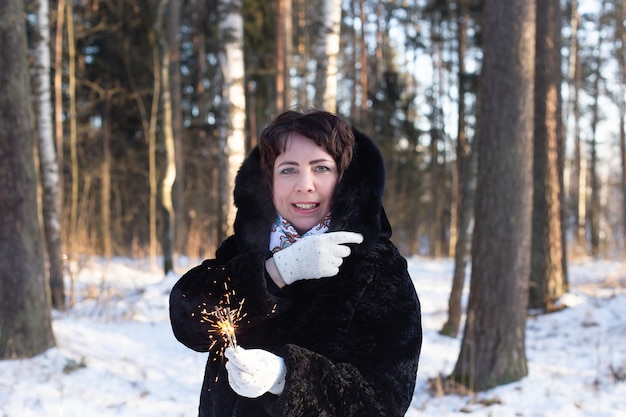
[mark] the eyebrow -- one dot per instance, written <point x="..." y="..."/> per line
<point x="313" y="162"/>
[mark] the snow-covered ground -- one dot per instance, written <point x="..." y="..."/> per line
<point x="116" y="355"/>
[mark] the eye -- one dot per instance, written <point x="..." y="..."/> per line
<point x="288" y="171"/>
<point x="321" y="169"/>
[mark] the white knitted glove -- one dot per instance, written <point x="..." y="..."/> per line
<point x="315" y="256"/>
<point x="253" y="372"/>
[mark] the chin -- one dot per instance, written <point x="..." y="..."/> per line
<point x="303" y="228"/>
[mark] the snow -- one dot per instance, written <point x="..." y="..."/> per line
<point x="116" y="355"/>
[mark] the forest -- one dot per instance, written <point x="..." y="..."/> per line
<point x="502" y="126"/>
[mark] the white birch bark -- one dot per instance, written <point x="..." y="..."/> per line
<point x="231" y="60"/>
<point x="168" y="137"/>
<point x="327" y="53"/>
<point x="49" y="169"/>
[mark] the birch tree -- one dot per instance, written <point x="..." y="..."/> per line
<point x="25" y="321"/>
<point x="167" y="184"/>
<point x="175" y="82"/>
<point x="49" y="169"/>
<point x="327" y="54"/>
<point x="232" y="127"/>
<point x="493" y="345"/>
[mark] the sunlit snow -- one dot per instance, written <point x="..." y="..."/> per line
<point x="116" y="355"/>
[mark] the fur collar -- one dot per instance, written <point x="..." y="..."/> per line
<point x="357" y="202"/>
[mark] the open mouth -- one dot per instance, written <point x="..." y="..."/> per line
<point x="306" y="206"/>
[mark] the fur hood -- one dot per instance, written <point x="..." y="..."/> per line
<point x="357" y="203"/>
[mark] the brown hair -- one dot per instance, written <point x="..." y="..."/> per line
<point x="327" y="130"/>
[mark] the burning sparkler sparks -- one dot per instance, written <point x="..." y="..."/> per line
<point x="223" y="321"/>
<point x="225" y="324"/>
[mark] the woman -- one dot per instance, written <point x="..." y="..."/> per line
<point x="330" y="322"/>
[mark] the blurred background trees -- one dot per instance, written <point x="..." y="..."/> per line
<point x="395" y="69"/>
<point x="155" y="102"/>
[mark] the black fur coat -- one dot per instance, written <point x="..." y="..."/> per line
<point x="351" y="342"/>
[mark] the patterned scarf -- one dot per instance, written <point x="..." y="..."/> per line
<point x="283" y="234"/>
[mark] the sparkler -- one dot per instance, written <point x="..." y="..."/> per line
<point x="223" y="321"/>
<point x="225" y="325"/>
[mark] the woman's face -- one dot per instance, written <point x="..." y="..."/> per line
<point x="304" y="179"/>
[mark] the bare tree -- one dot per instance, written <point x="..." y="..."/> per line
<point x="49" y="169"/>
<point x="25" y="321"/>
<point x="493" y="346"/>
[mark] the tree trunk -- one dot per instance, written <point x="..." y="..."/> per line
<point x="49" y="169"/>
<point x="232" y="131"/>
<point x="281" y="42"/>
<point x="58" y="99"/>
<point x="105" y="189"/>
<point x="546" y="275"/>
<point x="289" y="56"/>
<point x="302" y="48"/>
<point x="327" y="53"/>
<point x="199" y="41"/>
<point x="152" y="149"/>
<point x="106" y="93"/>
<point x="149" y="127"/>
<point x="25" y="321"/>
<point x="580" y="162"/>
<point x="465" y="191"/>
<point x="436" y="139"/>
<point x="493" y="346"/>
<point x="178" y="191"/>
<point x="71" y="49"/>
<point x="358" y="59"/>
<point x="620" y="35"/>
<point x="167" y="184"/>
<point x="594" y="181"/>
<point x="363" y="78"/>
<point x="576" y="176"/>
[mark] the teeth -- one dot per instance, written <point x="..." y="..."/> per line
<point x="306" y="206"/>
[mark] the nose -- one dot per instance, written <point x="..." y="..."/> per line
<point x="305" y="183"/>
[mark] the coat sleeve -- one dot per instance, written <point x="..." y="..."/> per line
<point x="375" y="375"/>
<point x="237" y="283"/>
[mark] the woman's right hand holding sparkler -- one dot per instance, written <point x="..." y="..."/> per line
<point x="253" y="372"/>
